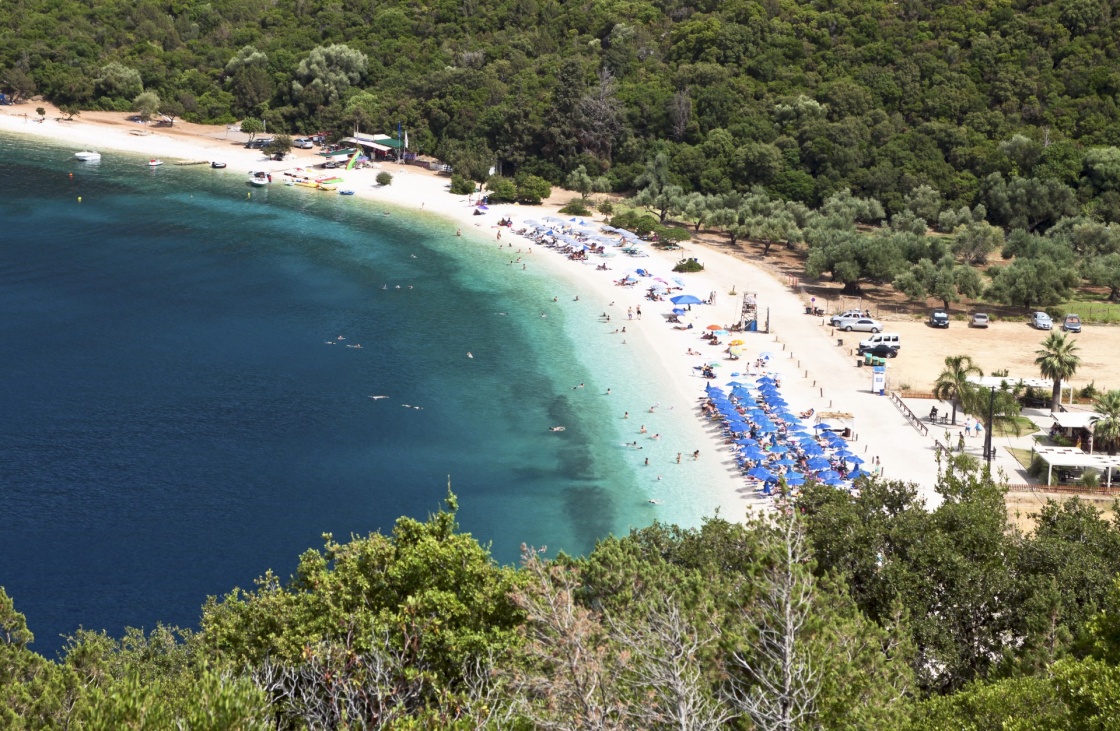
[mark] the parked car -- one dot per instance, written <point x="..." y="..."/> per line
<point x="1072" y="324"/>
<point x="880" y="350"/>
<point x="979" y="319"/>
<point x="302" y="143"/>
<point x="939" y="318"/>
<point x="1041" y="321"/>
<point x="259" y="143"/>
<point x="864" y="324"/>
<point x="835" y="319"/>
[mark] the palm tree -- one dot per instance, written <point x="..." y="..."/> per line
<point x="1106" y="426"/>
<point x="1058" y="361"/>
<point x="953" y="384"/>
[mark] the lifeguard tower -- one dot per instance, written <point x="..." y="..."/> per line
<point x="748" y="321"/>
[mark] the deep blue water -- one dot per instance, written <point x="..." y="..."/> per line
<point x="173" y="421"/>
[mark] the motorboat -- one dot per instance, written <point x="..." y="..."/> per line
<point x="260" y="178"/>
<point x="217" y="165"/>
<point x="154" y="163"/>
<point x="346" y="191"/>
<point x="88" y="156"/>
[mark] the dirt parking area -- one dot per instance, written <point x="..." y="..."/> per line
<point x="1021" y="506"/>
<point x="1002" y="345"/>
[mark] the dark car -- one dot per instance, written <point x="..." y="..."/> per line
<point x="880" y="350"/>
<point x="1072" y="324"/>
<point x="259" y="143"/>
<point x="939" y="318"/>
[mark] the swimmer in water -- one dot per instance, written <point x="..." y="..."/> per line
<point x="469" y="354"/>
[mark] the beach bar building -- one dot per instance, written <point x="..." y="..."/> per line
<point x="378" y="146"/>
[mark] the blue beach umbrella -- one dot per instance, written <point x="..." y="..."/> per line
<point x="856" y="474"/>
<point x="828" y="475"/>
<point x="779" y="449"/>
<point x="793" y="479"/>
<point x="735" y="384"/>
<point x="761" y="473"/>
<point x="822" y="425"/>
<point x="679" y="310"/>
<point x="785" y="462"/>
<point x="685" y="299"/>
<point x="834" y="481"/>
<point x="852" y="459"/>
<point x="819" y="463"/>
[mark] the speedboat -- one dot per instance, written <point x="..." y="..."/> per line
<point x="259" y="178"/>
<point x="154" y="163"/>
<point x="217" y="165"/>
<point x="88" y="156"/>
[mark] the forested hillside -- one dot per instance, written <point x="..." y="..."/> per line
<point x="841" y="613"/>
<point x="773" y="122"/>
<point x="805" y="99"/>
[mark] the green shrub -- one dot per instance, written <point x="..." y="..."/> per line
<point x="605" y="207"/>
<point x="576" y="207"/>
<point x="501" y="189"/>
<point x="384" y="178"/>
<point x="532" y="189"/>
<point x="461" y="185"/>
<point x="688" y="265"/>
<point x="1090" y="478"/>
<point x="1037" y="467"/>
<point x="672" y="234"/>
<point x="640" y="223"/>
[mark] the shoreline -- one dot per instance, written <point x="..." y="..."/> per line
<point x="797" y="342"/>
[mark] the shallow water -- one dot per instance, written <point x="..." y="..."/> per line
<point x="179" y="414"/>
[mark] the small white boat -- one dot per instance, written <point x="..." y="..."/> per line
<point x="88" y="156"/>
<point x="260" y="178"/>
<point x="217" y="165"/>
<point x="154" y="163"/>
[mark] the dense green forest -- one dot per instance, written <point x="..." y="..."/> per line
<point x="995" y="124"/>
<point x="832" y="613"/>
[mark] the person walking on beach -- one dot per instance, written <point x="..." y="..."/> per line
<point x="960" y="442"/>
<point x="629" y="313"/>
<point x="678" y="457"/>
<point x="639" y="311"/>
<point x="696" y="455"/>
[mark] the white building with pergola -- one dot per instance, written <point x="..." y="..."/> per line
<point x="1073" y="458"/>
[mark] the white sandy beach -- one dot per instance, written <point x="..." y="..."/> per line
<point x="817" y="373"/>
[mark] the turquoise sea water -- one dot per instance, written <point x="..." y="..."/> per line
<point x="173" y="421"/>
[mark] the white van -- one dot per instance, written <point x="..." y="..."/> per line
<point x="889" y="340"/>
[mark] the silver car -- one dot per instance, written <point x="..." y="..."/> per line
<point x="1041" y="321"/>
<point x="835" y="319"/>
<point x="863" y="324"/>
